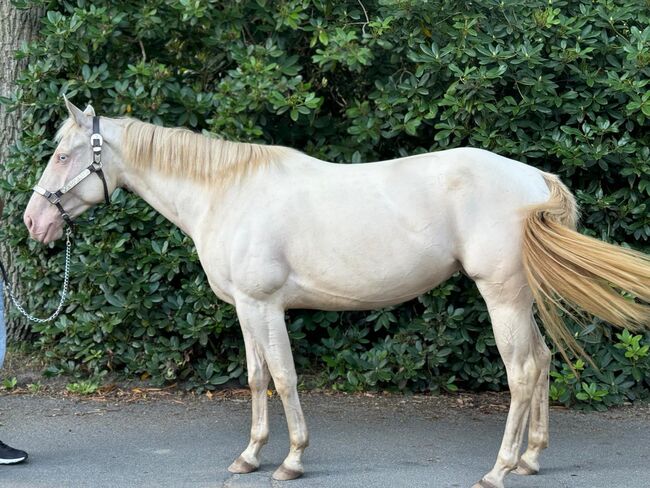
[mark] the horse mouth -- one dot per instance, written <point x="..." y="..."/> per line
<point x="50" y="234"/>
<point x="53" y="233"/>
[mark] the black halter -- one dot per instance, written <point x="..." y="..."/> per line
<point x="96" y="142"/>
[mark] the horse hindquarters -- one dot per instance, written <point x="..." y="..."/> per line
<point x="491" y="254"/>
<point x="556" y="266"/>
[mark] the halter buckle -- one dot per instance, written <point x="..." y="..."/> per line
<point x="53" y="198"/>
<point x="96" y="141"/>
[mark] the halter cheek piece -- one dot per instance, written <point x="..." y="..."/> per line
<point x="96" y="142"/>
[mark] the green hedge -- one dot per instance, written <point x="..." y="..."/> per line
<point x="561" y="85"/>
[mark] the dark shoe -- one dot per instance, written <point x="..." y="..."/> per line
<point x="9" y="455"/>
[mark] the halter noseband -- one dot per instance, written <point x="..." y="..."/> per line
<point x="96" y="142"/>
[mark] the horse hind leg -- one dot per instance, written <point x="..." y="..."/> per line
<point x="538" y="427"/>
<point x="509" y="303"/>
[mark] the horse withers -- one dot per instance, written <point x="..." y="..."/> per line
<point x="276" y="229"/>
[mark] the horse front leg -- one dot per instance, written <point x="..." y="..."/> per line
<point x="258" y="381"/>
<point x="265" y="324"/>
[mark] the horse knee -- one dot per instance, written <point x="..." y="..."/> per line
<point x="258" y="380"/>
<point x="285" y="384"/>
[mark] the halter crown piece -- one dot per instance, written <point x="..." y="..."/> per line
<point x="96" y="142"/>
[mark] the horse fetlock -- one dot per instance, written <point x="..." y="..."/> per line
<point x="537" y="440"/>
<point x="259" y="439"/>
<point x="506" y="462"/>
<point x="299" y="442"/>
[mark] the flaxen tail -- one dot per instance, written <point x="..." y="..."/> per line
<point x="572" y="272"/>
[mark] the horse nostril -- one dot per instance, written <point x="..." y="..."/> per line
<point x="29" y="222"/>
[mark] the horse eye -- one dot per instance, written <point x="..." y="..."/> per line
<point x="63" y="157"/>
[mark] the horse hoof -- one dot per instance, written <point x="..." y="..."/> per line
<point x="525" y="469"/>
<point x="283" y="473"/>
<point x="241" y="466"/>
<point x="484" y="484"/>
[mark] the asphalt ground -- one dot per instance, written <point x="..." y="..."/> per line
<point x="356" y="441"/>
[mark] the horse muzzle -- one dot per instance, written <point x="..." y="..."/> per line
<point x="43" y="224"/>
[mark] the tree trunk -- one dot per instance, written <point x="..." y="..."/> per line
<point x="16" y="27"/>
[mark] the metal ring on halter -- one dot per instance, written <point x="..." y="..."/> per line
<point x="96" y="142"/>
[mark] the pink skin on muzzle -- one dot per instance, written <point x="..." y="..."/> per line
<point x="43" y="220"/>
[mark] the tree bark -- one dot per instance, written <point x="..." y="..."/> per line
<point x="16" y="28"/>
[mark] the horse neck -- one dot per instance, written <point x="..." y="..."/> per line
<point x="186" y="199"/>
<point x="182" y="201"/>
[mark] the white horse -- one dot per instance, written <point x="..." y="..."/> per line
<point x="276" y="229"/>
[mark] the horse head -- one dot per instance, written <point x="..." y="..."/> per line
<point x="67" y="187"/>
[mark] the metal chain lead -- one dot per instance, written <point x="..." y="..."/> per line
<point x="64" y="292"/>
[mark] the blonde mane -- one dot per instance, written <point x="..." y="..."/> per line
<point x="183" y="152"/>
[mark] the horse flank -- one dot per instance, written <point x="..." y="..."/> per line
<point x="181" y="152"/>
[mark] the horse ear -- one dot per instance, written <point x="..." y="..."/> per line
<point x="81" y="118"/>
<point x="90" y="111"/>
